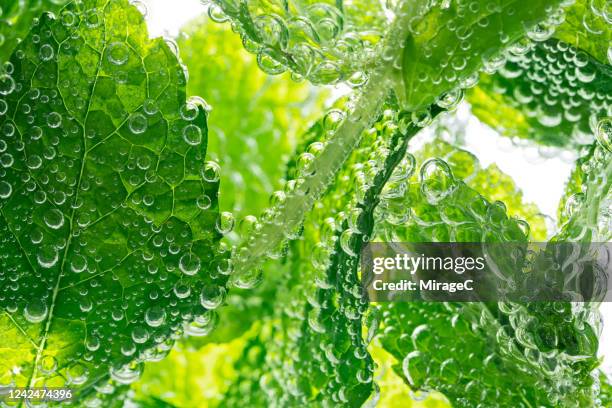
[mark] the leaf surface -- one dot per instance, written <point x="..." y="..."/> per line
<point x="108" y="225"/>
<point x="449" y="42"/>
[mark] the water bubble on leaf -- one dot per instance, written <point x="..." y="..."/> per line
<point x="225" y="222"/>
<point x="54" y="218"/>
<point x="141" y="6"/>
<point x="422" y="118"/>
<point x="54" y="120"/>
<point x="126" y="374"/>
<point x="202" y="324"/>
<point x="3" y="107"/>
<point x="414" y="367"/>
<point x="140" y="334"/>
<point x="7" y="84"/>
<point x="5" y="190"/>
<point x="604" y="133"/>
<point x="35" y="311"/>
<point x="192" y="135"/>
<point x="346" y="242"/>
<point x="212" y="296"/>
<point x="203" y="202"/>
<point x="78" y="263"/>
<point x="77" y="374"/>
<point x="249" y="279"/>
<point x="118" y="53"/>
<point x="155" y="316"/>
<point x="47" y="256"/>
<point x="46" y="52"/>
<point x="210" y="172"/>
<point x="150" y="107"/>
<point x="189" y="264"/>
<point x="437" y="180"/>
<point x="92" y="343"/>
<point x="47" y="364"/>
<point x="182" y="290"/>
<point x="138" y="123"/>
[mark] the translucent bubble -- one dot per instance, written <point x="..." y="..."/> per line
<point x="5" y="190"/>
<point x="189" y="264"/>
<point x="437" y="180"/>
<point x="3" y="107"/>
<point x="54" y="218"/>
<point x="155" y="316"/>
<point x="7" y="84"/>
<point x="225" y="222"/>
<point x="192" y="135"/>
<point x="203" y="202"/>
<point x="140" y="334"/>
<point x="150" y="107"/>
<point x="211" y="172"/>
<point x="92" y="343"/>
<point x="415" y="369"/>
<point x="46" y="52"/>
<point x="118" y="53"/>
<point x="54" y="120"/>
<point x="126" y="374"/>
<point x="48" y="364"/>
<point x="181" y="290"/>
<point x="35" y="311"/>
<point x="47" y="256"/>
<point x="138" y="123"/>
<point x="78" y="263"/>
<point x="212" y="296"/>
<point x="604" y="133"/>
<point x="77" y="374"/>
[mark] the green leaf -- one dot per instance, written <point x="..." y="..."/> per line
<point x="16" y="18"/>
<point x="481" y="353"/>
<point x="547" y="92"/>
<point x="108" y="251"/>
<point x="587" y="27"/>
<point x="490" y="182"/>
<point x="586" y="211"/>
<point x="324" y="41"/>
<point x="448" y="43"/>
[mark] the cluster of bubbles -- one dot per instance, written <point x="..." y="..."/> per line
<point x="595" y="176"/>
<point x="558" y="88"/>
<point x="322" y="308"/>
<point x="323" y="42"/>
<point x="110" y="225"/>
<point x="480" y="354"/>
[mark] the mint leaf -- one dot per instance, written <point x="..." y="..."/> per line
<point x="587" y="27"/>
<point x="16" y="18"/>
<point x="481" y="353"/>
<point x="539" y="95"/>
<point x="108" y="222"/>
<point x="448" y="43"/>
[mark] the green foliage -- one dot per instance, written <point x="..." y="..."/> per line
<point x="16" y="18"/>
<point x="493" y="354"/>
<point x="110" y="228"/>
<point x="531" y="98"/>
<point x="446" y="46"/>
<point x="547" y="90"/>
<point x="109" y="250"/>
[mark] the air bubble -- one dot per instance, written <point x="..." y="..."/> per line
<point x="118" y="53"/>
<point x="138" y="123"/>
<point x="35" y="311"/>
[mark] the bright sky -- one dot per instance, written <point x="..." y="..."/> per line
<point x="542" y="180"/>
